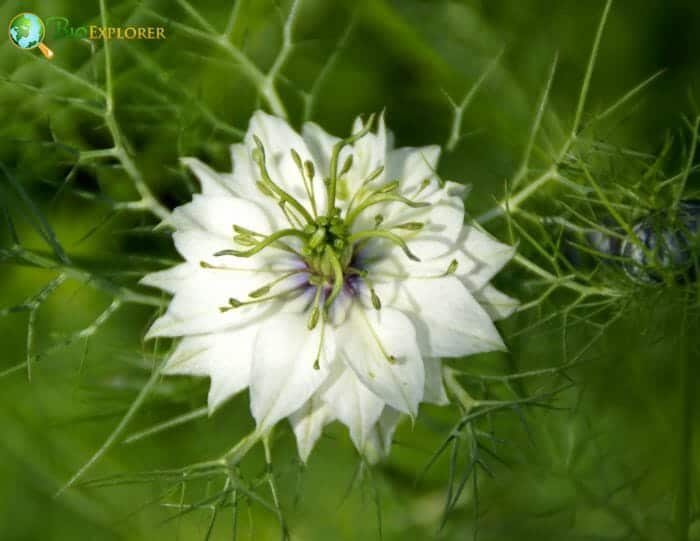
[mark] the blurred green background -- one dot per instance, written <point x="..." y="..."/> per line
<point x="604" y="464"/>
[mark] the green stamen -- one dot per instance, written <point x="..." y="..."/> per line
<point x="381" y="198"/>
<point x="235" y="303"/>
<point x="264" y="290"/>
<point x="452" y="268"/>
<point x="309" y="170"/>
<point x="317" y="365"/>
<point x="387" y="188"/>
<point x="306" y="170"/>
<point x="382" y="233"/>
<point x="258" y="156"/>
<point x="264" y="243"/>
<point x="337" y="276"/>
<point x="327" y="243"/>
<point x="259" y="292"/>
<point x="333" y="180"/>
<point x="411" y="226"/>
<point x="315" y="311"/>
<point x="376" y="301"/>
<point x="347" y="165"/>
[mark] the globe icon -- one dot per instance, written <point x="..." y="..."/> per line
<point x="27" y="31"/>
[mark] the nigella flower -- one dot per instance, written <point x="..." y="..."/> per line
<point x="328" y="276"/>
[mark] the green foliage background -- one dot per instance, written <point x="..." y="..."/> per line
<point x="602" y="450"/>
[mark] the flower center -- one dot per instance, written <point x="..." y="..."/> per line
<point x="327" y="244"/>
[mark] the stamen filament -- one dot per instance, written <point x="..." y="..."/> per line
<point x="264" y="243"/>
<point x="337" y="148"/>
<point x="278" y="245"/>
<point x="264" y="290"/>
<point x="360" y="191"/>
<point x="292" y="219"/>
<point x="306" y="172"/>
<point x="376" y="199"/>
<point x="410" y="226"/>
<point x="317" y="365"/>
<point x="259" y="159"/>
<point x="337" y="276"/>
<point x="451" y="269"/>
<point x="315" y="310"/>
<point x="235" y="303"/>
<point x="383" y="233"/>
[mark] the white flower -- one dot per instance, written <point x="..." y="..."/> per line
<point x="328" y="276"/>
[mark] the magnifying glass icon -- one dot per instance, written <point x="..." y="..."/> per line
<point x="27" y="31"/>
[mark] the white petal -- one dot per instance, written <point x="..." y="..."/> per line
<point x="367" y="339"/>
<point x="205" y="227"/>
<point x="352" y="404"/>
<point x="307" y="423"/>
<point x="213" y="183"/>
<point x="283" y="375"/>
<point x="225" y="357"/>
<point x="245" y="173"/>
<point x="378" y="445"/>
<point x="386" y="427"/>
<point x="171" y="279"/>
<point x="497" y="304"/>
<point x="369" y="153"/>
<point x="198" y="246"/>
<point x="442" y="221"/>
<point x="479" y="257"/>
<point x="434" y="387"/>
<point x="201" y="293"/>
<point x="279" y="139"/>
<point x="218" y="215"/>
<point x="484" y="255"/>
<point x="412" y="166"/>
<point x="320" y="144"/>
<point x="447" y="319"/>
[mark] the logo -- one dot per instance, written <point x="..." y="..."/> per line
<point x="27" y="31"/>
<point x="60" y="27"/>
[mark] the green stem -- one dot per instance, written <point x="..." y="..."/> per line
<point x="456" y="390"/>
<point x="238" y="451"/>
<point x="124" y="294"/>
<point x="119" y="151"/>
<point x="118" y="431"/>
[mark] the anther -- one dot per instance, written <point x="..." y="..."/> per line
<point x="390" y="187"/>
<point x="309" y="169"/>
<point x="243" y="230"/>
<point x="264" y="189"/>
<point x="423" y="185"/>
<point x="374" y="174"/>
<point x="313" y="318"/>
<point x="453" y="267"/>
<point x="346" y="166"/>
<point x="317" y="238"/>
<point x="376" y="301"/>
<point x="259" y="292"/>
<point x="411" y="226"/>
<point x="245" y="240"/>
<point x="297" y="159"/>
